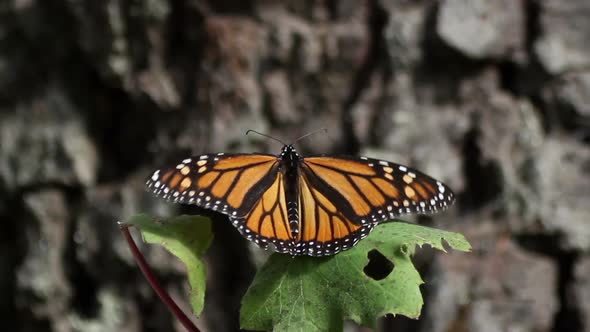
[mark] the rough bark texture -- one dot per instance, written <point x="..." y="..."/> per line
<point x="490" y="96"/>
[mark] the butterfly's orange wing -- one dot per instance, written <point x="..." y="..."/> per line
<point x="227" y="183"/>
<point x="342" y="199"/>
<point x="324" y="227"/>
<point x="246" y="187"/>
<point x="267" y="222"/>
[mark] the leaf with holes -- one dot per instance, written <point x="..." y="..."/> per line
<point x="186" y="237"/>
<point x="316" y="294"/>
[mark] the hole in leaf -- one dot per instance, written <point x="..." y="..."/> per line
<point x="404" y="249"/>
<point x="379" y="267"/>
<point x="446" y="245"/>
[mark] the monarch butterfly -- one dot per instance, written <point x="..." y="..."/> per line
<point x="316" y="205"/>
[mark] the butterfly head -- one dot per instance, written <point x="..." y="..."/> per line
<point x="288" y="153"/>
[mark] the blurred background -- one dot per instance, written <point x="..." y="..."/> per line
<point x="491" y="97"/>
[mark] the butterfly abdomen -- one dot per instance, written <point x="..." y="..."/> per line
<point x="289" y="159"/>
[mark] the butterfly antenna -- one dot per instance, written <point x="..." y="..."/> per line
<point x="265" y="135"/>
<point x="312" y="133"/>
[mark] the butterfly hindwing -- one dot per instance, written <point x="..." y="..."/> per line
<point x="324" y="228"/>
<point x="268" y="222"/>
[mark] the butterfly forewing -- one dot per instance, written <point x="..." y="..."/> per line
<point x="221" y="182"/>
<point x="370" y="190"/>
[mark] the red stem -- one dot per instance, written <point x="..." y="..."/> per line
<point x="151" y="278"/>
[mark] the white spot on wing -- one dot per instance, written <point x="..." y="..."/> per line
<point x="156" y="175"/>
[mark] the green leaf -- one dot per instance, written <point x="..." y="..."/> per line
<point x="186" y="237"/>
<point x="315" y="294"/>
